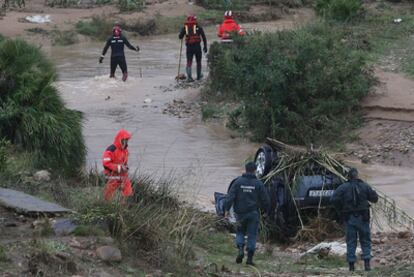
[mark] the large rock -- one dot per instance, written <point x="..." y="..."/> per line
<point x="109" y="254"/>
<point x="63" y="226"/>
<point x="42" y="176"/>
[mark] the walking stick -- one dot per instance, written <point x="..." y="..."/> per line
<point x="180" y="76"/>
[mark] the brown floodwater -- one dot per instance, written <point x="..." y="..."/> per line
<point x="202" y="156"/>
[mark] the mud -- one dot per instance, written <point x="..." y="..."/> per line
<point x="393" y="98"/>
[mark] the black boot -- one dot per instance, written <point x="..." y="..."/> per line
<point x="367" y="266"/>
<point x="240" y="256"/>
<point x="351" y="266"/>
<point x="189" y="77"/>
<point x="199" y="74"/>
<point x="250" y="255"/>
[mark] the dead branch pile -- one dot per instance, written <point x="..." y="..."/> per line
<point x="295" y="162"/>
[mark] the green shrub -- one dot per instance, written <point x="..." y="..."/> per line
<point x="99" y="27"/>
<point x="341" y="10"/>
<point x="225" y="4"/>
<point x="3" y="255"/>
<point x="4" y="145"/>
<point x="158" y="25"/>
<point x="88" y="230"/>
<point x="299" y="86"/>
<point x="210" y="17"/>
<point x="166" y="24"/>
<point x="131" y="5"/>
<point x="32" y="113"/>
<point x="209" y="111"/>
<point x="63" y="37"/>
<point x="75" y="3"/>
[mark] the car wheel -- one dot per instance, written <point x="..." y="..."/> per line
<point x="264" y="160"/>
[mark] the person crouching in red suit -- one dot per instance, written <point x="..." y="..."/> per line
<point x="229" y="27"/>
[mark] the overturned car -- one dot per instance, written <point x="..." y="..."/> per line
<point x="299" y="182"/>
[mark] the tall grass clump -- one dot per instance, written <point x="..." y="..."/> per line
<point x="299" y="86"/>
<point x="154" y="226"/>
<point x="63" y="38"/>
<point x="76" y="3"/>
<point x="341" y="10"/>
<point x="32" y="113"/>
<point x="131" y="5"/>
<point x="225" y="4"/>
<point x="4" y="155"/>
<point x="99" y="27"/>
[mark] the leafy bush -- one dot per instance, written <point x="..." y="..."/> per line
<point x="76" y="3"/>
<point x="3" y="255"/>
<point x="4" y="145"/>
<point x="158" y="25"/>
<point x="98" y="28"/>
<point x="341" y="10"/>
<point x="63" y="37"/>
<point x="299" y="86"/>
<point x="32" y="113"/>
<point x="62" y="3"/>
<point x="225" y="4"/>
<point x="131" y="5"/>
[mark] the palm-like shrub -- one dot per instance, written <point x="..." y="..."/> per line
<point x="32" y="113"/>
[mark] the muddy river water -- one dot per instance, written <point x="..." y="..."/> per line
<point x="203" y="157"/>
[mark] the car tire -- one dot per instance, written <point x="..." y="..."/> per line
<point x="264" y="160"/>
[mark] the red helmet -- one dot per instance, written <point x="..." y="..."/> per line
<point x="191" y="19"/>
<point x="228" y="15"/>
<point x="116" y="31"/>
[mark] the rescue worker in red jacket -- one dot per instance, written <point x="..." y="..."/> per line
<point x="193" y="35"/>
<point x="115" y="163"/>
<point x="229" y="27"/>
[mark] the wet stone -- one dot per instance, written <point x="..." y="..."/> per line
<point x="109" y="254"/>
<point x="63" y="227"/>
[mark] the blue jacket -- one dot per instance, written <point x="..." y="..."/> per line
<point x="354" y="196"/>
<point x="247" y="194"/>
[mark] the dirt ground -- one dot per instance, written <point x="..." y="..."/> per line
<point x="13" y="23"/>
<point x="387" y="136"/>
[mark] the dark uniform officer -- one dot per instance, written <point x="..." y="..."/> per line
<point x="117" y="42"/>
<point x="247" y="194"/>
<point x="193" y="35"/>
<point x="352" y="199"/>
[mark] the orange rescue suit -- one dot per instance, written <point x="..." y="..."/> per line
<point x="115" y="163"/>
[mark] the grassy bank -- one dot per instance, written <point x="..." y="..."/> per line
<point x="156" y="232"/>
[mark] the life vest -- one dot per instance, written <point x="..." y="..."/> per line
<point x="192" y="35"/>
